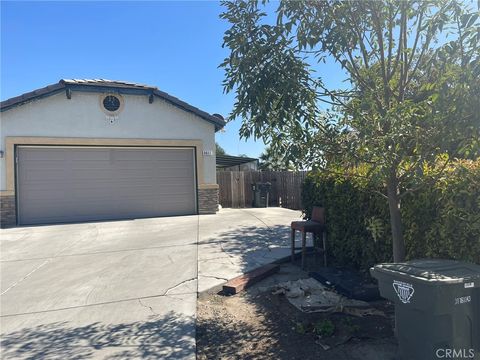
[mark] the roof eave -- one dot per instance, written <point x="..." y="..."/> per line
<point x="31" y="96"/>
<point x="122" y="89"/>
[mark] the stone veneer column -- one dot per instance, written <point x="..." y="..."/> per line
<point x="8" y="216"/>
<point x="207" y="199"/>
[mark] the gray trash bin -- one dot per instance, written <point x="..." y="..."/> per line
<point x="261" y="194"/>
<point x="437" y="307"/>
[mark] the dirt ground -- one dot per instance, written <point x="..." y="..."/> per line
<point x="256" y="324"/>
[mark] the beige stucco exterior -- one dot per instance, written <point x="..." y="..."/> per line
<point x="56" y="120"/>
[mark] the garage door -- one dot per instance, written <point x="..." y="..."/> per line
<point x="80" y="184"/>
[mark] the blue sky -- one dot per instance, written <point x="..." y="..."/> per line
<point x="175" y="46"/>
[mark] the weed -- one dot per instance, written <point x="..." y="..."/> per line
<point x="324" y="328"/>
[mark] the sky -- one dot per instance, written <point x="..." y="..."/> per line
<point x="175" y="46"/>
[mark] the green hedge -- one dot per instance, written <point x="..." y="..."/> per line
<point x="440" y="221"/>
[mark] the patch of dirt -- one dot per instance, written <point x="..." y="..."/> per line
<point x="259" y="325"/>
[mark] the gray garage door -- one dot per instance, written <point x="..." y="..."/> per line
<point x="80" y="184"/>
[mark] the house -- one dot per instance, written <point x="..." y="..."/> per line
<point x="236" y="163"/>
<point x="83" y="150"/>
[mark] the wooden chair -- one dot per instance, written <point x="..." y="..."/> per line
<point x="316" y="225"/>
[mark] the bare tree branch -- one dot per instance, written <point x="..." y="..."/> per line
<point x="390" y="41"/>
<point x="379" y="31"/>
<point x="417" y="35"/>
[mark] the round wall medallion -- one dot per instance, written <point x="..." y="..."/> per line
<point x="111" y="104"/>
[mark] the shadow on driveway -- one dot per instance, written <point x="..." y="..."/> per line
<point x="230" y="253"/>
<point x="170" y="337"/>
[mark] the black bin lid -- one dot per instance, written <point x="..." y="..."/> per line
<point x="434" y="270"/>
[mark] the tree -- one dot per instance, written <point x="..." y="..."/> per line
<point x="272" y="160"/>
<point x="412" y="69"/>
<point x="219" y="150"/>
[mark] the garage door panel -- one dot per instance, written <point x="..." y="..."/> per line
<point x="80" y="188"/>
<point x="180" y="163"/>
<point x="80" y="184"/>
<point x="172" y="155"/>
<point x="128" y="173"/>
<point x="157" y="168"/>
<point x="42" y="174"/>
<point x="39" y="156"/>
<point x="44" y="165"/>
<point x="86" y="154"/>
<point x="104" y="213"/>
<point x="91" y="208"/>
<point x="87" y="165"/>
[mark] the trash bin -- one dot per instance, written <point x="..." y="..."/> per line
<point x="261" y="194"/>
<point x="437" y="307"/>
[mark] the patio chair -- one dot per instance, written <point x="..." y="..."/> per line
<point x="316" y="226"/>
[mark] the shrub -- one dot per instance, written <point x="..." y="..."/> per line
<point x="443" y="221"/>
<point x="440" y="221"/>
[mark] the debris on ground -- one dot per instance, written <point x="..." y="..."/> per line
<point x="308" y="295"/>
<point x="350" y="283"/>
<point x="255" y="324"/>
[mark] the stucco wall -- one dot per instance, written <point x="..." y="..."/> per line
<point x="81" y="116"/>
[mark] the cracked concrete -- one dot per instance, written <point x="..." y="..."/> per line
<point x="239" y="240"/>
<point x="147" y="306"/>
<point x="184" y="284"/>
<point x="125" y="289"/>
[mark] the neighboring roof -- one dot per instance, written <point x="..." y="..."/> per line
<point x="103" y="85"/>
<point x="228" y="160"/>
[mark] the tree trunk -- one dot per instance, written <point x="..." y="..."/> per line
<point x="395" y="220"/>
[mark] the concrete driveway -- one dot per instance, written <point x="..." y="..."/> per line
<point x="112" y="290"/>
<point x="125" y="289"/>
<point x="239" y="240"/>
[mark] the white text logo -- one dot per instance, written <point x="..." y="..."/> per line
<point x="404" y="291"/>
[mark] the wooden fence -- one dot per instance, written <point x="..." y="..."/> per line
<point x="236" y="188"/>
